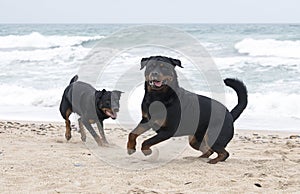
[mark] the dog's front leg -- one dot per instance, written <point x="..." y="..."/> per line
<point x="89" y="127"/>
<point x="161" y="136"/>
<point x="101" y="131"/>
<point x="140" y="129"/>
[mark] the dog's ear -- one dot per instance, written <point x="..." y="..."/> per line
<point x="176" y="62"/>
<point x="144" y="62"/>
<point x="117" y="93"/>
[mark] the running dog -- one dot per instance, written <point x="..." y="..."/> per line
<point x="173" y="111"/>
<point x="91" y="105"/>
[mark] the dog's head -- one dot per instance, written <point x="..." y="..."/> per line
<point x="160" y="72"/>
<point x="108" y="102"/>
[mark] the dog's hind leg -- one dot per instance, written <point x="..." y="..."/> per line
<point x="203" y="147"/>
<point x="92" y="132"/>
<point x="222" y="156"/>
<point x="194" y="143"/>
<point x="68" y="124"/>
<point x="206" y="153"/>
<point x="65" y="109"/>
<point x="82" y="130"/>
<point x="224" y="137"/>
<point x="101" y="131"/>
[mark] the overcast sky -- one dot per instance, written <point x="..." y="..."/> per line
<point x="151" y="11"/>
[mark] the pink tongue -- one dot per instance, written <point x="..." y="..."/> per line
<point x="112" y="115"/>
<point x="157" y="83"/>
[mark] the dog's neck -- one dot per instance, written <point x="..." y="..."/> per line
<point x="98" y="96"/>
<point x="165" y="95"/>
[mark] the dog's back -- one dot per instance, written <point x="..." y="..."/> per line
<point x="81" y="97"/>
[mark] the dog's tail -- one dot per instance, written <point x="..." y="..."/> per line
<point x="74" y="79"/>
<point x="241" y="91"/>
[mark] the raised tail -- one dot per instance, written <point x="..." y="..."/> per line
<point x="241" y="92"/>
<point x="74" y="79"/>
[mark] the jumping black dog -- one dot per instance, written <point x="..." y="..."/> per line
<point x="173" y="111"/>
<point x="91" y="105"/>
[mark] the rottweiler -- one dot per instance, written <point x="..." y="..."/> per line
<point x="173" y="111"/>
<point x="91" y="105"/>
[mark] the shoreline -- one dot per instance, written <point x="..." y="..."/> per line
<point x="35" y="157"/>
<point x="111" y="124"/>
<point x="52" y="114"/>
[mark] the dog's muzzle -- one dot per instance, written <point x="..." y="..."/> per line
<point x="112" y="113"/>
<point x="157" y="83"/>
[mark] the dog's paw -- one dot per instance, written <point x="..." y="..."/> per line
<point x="68" y="136"/>
<point x="213" y="161"/>
<point x="83" y="135"/>
<point x="130" y="151"/>
<point x="131" y="147"/>
<point x="147" y="152"/>
<point x="100" y="144"/>
<point x="99" y="141"/>
<point x="106" y="144"/>
<point x="83" y="138"/>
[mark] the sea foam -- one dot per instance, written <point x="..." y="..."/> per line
<point x="269" y="47"/>
<point x="37" y="40"/>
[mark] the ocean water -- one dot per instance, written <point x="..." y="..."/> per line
<point x="38" y="60"/>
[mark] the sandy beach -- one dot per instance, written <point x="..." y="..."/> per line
<point x="35" y="157"/>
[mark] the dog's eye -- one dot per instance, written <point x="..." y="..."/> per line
<point x="166" y="68"/>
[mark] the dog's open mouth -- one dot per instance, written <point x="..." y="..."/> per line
<point x="111" y="113"/>
<point x="157" y="84"/>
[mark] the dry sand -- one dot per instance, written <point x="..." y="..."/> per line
<point x="35" y="157"/>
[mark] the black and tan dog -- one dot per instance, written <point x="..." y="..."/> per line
<point x="91" y="105"/>
<point x="173" y="111"/>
